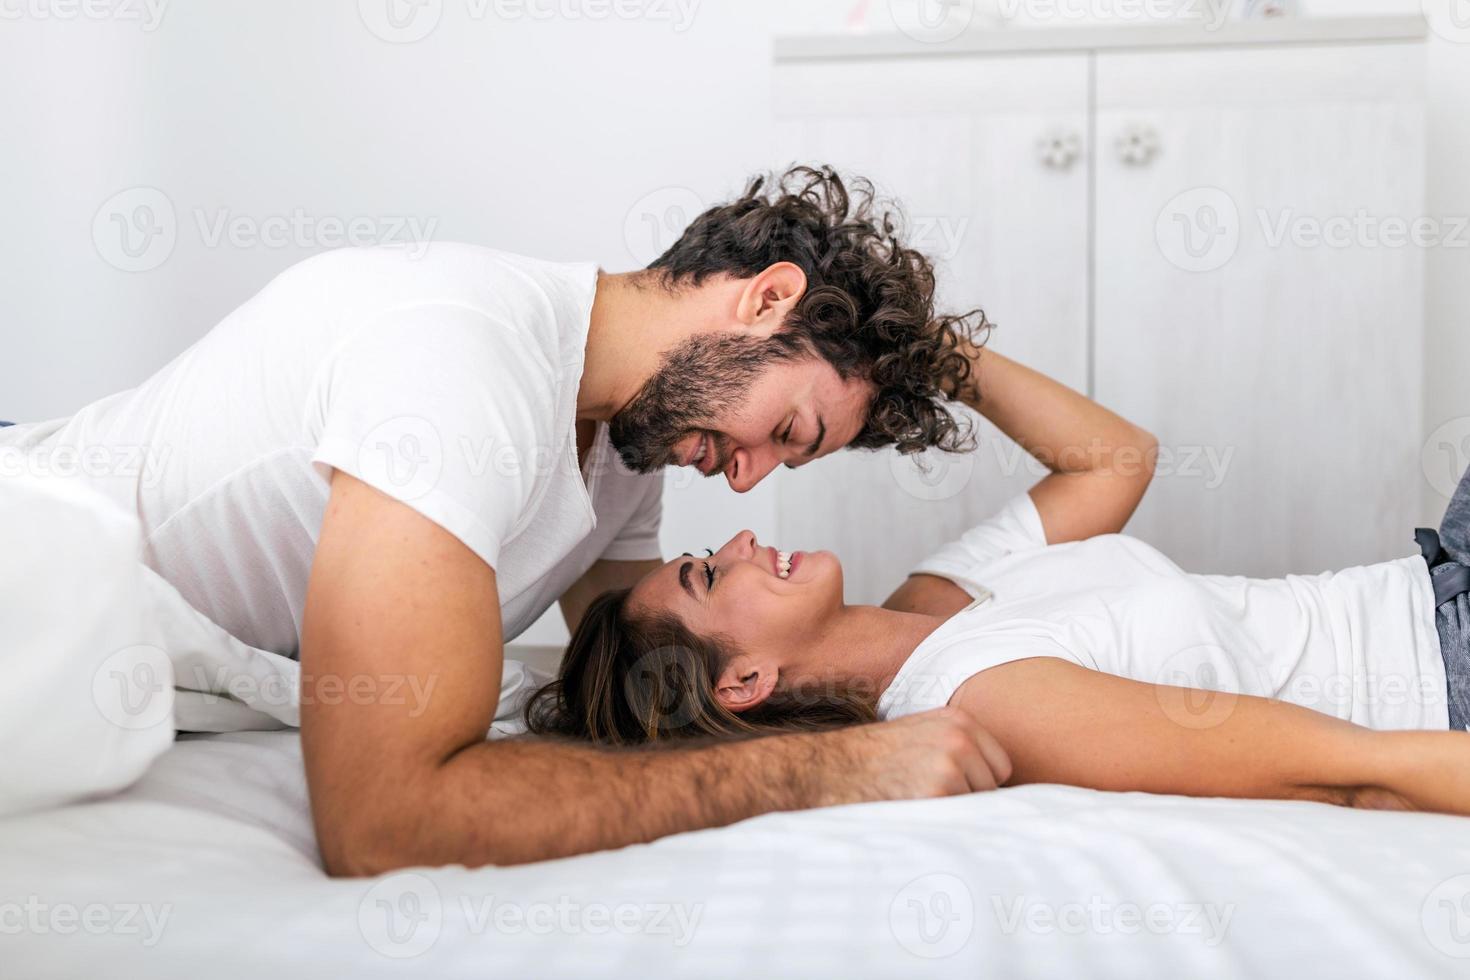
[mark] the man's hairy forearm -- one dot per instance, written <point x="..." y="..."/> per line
<point x="514" y="801"/>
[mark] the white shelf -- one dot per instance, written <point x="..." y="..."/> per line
<point x="1028" y="40"/>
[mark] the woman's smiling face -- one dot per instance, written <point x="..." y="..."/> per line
<point x="745" y="594"/>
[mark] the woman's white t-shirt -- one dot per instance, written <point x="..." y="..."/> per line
<point x="1359" y="644"/>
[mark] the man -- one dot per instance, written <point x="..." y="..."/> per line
<point x="389" y="466"/>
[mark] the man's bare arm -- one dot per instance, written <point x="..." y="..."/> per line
<point x="397" y="604"/>
<point x="603" y="576"/>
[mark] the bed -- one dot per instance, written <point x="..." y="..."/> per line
<point x="207" y="867"/>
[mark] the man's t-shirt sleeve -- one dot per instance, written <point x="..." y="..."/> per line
<point x="446" y="410"/>
<point x="637" y="540"/>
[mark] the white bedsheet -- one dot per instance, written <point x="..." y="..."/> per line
<point x="207" y="869"/>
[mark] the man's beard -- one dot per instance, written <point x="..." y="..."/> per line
<point x="701" y="381"/>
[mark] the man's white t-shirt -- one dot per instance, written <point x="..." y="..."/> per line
<point x="1360" y="644"/>
<point x="448" y="381"/>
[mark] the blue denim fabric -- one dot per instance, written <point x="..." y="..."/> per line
<point x="1453" y="618"/>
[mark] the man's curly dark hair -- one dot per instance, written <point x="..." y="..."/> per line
<point x="868" y="309"/>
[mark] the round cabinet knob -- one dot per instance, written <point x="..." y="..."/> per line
<point x="1138" y="145"/>
<point x="1060" y="148"/>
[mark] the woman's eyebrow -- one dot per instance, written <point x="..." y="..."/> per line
<point x="684" y="571"/>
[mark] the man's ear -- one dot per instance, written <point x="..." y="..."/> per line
<point x="769" y="296"/>
<point x="744" y="684"/>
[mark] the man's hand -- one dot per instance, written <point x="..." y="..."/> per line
<point x="399" y="608"/>
<point x="944" y="752"/>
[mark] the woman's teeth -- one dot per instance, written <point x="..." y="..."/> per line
<point x="783" y="564"/>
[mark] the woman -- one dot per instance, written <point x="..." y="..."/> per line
<point x="1091" y="657"/>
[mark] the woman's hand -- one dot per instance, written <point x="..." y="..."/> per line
<point x="1100" y="463"/>
<point x="1419" y="771"/>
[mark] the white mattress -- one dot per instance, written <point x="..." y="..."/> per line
<point x="216" y="844"/>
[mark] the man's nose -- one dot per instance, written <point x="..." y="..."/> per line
<point x="748" y="467"/>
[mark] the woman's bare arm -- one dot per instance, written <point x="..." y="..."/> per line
<point x="1101" y="464"/>
<point x="1062" y="723"/>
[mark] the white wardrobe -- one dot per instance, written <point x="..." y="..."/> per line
<point x="1212" y="233"/>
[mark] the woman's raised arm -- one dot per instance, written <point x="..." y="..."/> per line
<point x="1101" y="464"/>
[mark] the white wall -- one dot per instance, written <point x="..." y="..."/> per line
<point x="562" y="137"/>
<point x="544" y="136"/>
<point x="1447" y="392"/>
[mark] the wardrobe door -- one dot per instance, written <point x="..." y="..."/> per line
<point x="1259" y="296"/>
<point x="988" y="157"/>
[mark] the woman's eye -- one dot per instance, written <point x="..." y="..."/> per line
<point x="709" y="576"/>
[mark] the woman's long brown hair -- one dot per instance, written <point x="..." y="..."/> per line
<point x="631" y="681"/>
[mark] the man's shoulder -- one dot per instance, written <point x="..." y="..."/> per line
<point x="455" y="267"/>
<point x="544" y="305"/>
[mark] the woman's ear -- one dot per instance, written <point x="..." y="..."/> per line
<point x="769" y="296"/>
<point x="744" y="684"/>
